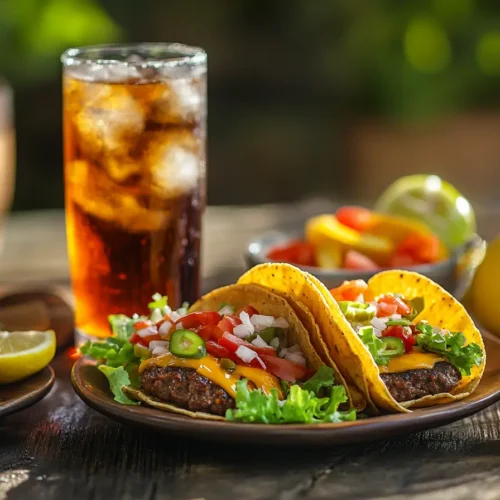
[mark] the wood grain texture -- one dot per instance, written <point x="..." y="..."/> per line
<point x="62" y="449"/>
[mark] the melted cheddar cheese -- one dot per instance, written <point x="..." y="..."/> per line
<point x="415" y="360"/>
<point x="209" y="367"/>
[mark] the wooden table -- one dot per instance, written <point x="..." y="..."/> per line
<point x="62" y="449"/>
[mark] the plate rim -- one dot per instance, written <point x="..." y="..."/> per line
<point x="31" y="397"/>
<point x="363" y="430"/>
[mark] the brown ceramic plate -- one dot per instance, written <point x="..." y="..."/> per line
<point x="15" y="397"/>
<point x="92" y="387"/>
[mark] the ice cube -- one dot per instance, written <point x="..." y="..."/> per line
<point x="92" y="190"/>
<point x="182" y="101"/>
<point x="173" y="163"/>
<point x="110" y="123"/>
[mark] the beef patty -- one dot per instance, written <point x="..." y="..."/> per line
<point x="186" y="388"/>
<point x="414" y="384"/>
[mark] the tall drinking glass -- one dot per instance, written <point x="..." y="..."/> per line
<point x="134" y="164"/>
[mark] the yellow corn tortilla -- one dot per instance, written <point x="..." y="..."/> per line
<point x="440" y="309"/>
<point x="297" y="287"/>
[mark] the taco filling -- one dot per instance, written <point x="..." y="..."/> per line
<point x="414" y="358"/>
<point x="233" y="362"/>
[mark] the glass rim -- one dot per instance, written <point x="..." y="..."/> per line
<point x="181" y="54"/>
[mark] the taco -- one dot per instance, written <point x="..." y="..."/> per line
<point x="303" y="288"/>
<point x="239" y="353"/>
<point x="418" y="345"/>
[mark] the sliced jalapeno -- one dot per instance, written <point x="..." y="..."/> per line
<point x="357" y="311"/>
<point x="392" y="346"/>
<point x="187" y="344"/>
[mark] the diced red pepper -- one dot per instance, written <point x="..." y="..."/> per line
<point x="351" y="290"/>
<point x="140" y="325"/>
<point x="402" y="333"/>
<point x="200" y="318"/>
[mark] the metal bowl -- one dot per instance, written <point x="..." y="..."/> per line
<point x="454" y="274"/>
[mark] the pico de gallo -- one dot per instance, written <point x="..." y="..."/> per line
<point x="390" y="328"/>
<point x="240" y="357"/>
<point x="357" y="238"/>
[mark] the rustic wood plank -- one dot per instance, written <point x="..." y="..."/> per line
<point x="60" y="448"/>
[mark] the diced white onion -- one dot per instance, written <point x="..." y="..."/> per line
<point x="245" y="320"/>
<point x="280" y="323"/>
<point x="377" y="332"/>
<point x="245" y="354"/>
<point x="146" y="332"/>
<point x="167" y="310"/>
<point x="157" y="351"/>
<point x="156" y="315"/>
<point x="396" y="316"/>
<point x="379" y="323"/>
<point x="275" y="343"/>
<point x="259" y="321"/>
<point x="174" y="316"/>
<point x="293" y="348"/>
<point x="296" y="358"/>
<point x="179" y="326"/>
<point x="226" y="310"/>
<point x="158" y="343"/>
<point x="360" y="298"/>
<point x="165" y="327"/>
<point x="259" y="342"/>
<point x="182" y="311"/>
<point x="242" y="331"/>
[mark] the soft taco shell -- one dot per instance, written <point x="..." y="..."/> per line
<point x="298" y="288"/>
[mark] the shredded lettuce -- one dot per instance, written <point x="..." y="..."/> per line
<point x="122" y="326"/>
<point x="118" y="378"/>
<point x="302" y="404"/>
<point x="451" y="346"/>
<point x="376" y="347"/>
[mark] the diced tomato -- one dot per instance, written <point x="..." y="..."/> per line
<point x="384" y="310"/>
<point x="210" y="332"/>
<point x="421" y="248"/>
<point x="401" y="332"/>
<point x="248" y="309"/>
<point x="296" y="252"/>
<point x="149" y="338"/>
<point x="196" y="319"/>
<point x="231" y="343"/>
<point x="227" y="323"/>
<point x="390" y="300"/>
<point x="351" y="290"/>
<point x="140" y="325"/>
<point x="284" y="369"/>
<point x="357" y="218"/>
<point x="217" y="350"/>
<point x="356" y="260"/>
<point x="398" y="260"/>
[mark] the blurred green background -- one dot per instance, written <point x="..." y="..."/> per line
<point x="306" y="97"/>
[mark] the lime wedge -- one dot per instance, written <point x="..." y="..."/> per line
<point x="430" y="199"/>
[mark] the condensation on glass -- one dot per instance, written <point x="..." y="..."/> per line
<point x="134" y="163"/>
